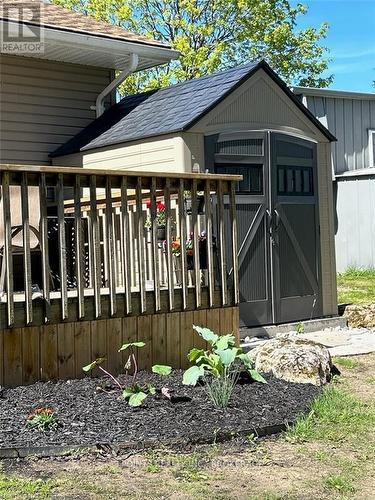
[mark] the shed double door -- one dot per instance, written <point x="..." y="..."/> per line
<point x="278" y="230"/>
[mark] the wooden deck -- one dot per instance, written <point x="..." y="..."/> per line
<point x="104" y="276"/>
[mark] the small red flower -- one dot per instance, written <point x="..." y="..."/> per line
<point x="41" y="411"/>
<point x="159" y="205"/>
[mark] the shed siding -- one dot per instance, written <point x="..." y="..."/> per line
<point x="43" y="104"/>
<point x="258" y="104"/>
<point x="164" y="154"/>
<point x="327" y="231"/>
<point x="349" y="120"/>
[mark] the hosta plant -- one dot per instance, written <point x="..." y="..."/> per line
<point x="43" y="419"/>
<point x="219" y="366"/>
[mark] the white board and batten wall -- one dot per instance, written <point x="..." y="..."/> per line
<point x="258" y="104"/>
<point x="350" y="116"/>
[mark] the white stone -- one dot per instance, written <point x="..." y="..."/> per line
<point x="293" y="359"/>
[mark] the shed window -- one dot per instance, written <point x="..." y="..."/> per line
<point x="372" y="147"/>
<point x="244" y="147"/>
<point x="252" y="177"/>
<point x="295" y="181"/>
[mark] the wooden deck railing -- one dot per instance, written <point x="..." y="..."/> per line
<point x="87" y="243"/>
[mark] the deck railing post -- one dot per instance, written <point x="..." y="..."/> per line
<point x="110" y="246"/>
<point x="209" y="241"/>
<point x="95" y="251"/>
<point x="196" y="243"/>
<point x="182" y="226"/>
<point x="233" y="220"/>
<point x="26" y="247"/>
<point x="79" y="264"/>
<point x="222" y="258"/>
<point x="140" y="236"/>
<point x="154" y="244"/>
<point x="43" y="230"/>
<point x="62" y="247"/>
<point x="167" y="199"/>
<point x="7" y="251"/>
<point x="125" y="244"/>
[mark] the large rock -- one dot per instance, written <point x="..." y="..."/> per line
<point x="293" y="359"/>
<point x="360" y="316"/>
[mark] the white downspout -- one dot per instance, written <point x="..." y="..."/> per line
<point x="131" y="67"/>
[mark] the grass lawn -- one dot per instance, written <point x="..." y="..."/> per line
<point x="330" y="453"/>
<point x="356" y="286"/>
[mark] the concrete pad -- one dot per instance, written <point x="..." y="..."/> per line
<point x="345" y="342"/>
<point x="358" y="344"/>
<point x="328" y="338"/>
<point x="339" y="341"/>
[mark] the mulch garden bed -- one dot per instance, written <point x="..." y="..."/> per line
<point x="88" y="416"/>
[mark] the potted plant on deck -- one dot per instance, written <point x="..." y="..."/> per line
<point x="160" y="221"/>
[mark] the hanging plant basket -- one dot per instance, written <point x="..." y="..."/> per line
<point x="161" y="233"/>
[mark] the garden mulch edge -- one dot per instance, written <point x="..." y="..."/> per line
<point x="66" y="450"/>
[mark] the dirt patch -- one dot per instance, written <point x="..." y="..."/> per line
<point x="240" y="470"/>
<point x="361" y="380"/>
<point x="87" y="417"/>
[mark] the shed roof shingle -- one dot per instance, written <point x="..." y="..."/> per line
<point x="168" y="110"/>
<point x="55" y="16"/>
<point x="174" y="108"/>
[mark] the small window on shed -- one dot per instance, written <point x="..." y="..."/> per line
<point x="295" y="181"/>
<point x="243" y="147"/>
<point x="372" y="147"/>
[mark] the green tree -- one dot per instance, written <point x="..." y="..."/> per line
<point x="217" y="34"/>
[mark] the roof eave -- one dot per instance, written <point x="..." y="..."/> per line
<point x="339" y="94"/>
<point x="122" y="141"/>
<point x="115" y="49"/>
<point x="298" y="103"/>
<point x="265" y="66"/>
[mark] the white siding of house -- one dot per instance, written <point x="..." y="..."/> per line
<point x="350" y="118"/>
<point x="355" y="209"/>
<point x="43" y="104"/>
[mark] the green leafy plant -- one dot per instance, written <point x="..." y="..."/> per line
<point x="43" y="419"/>
<point x="220" y="366"/>
<point x="97" y="364"/>
<point x="135" y="394"/>
<point x="162" y="369"/>
<point x="132" y="359"/>
<point x="220" y="389"/>
<point x="300" y="327"/>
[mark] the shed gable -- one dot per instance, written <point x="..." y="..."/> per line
<point x="258" y="103"/>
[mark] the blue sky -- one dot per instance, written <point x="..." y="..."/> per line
<point x="351" y="39"/>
